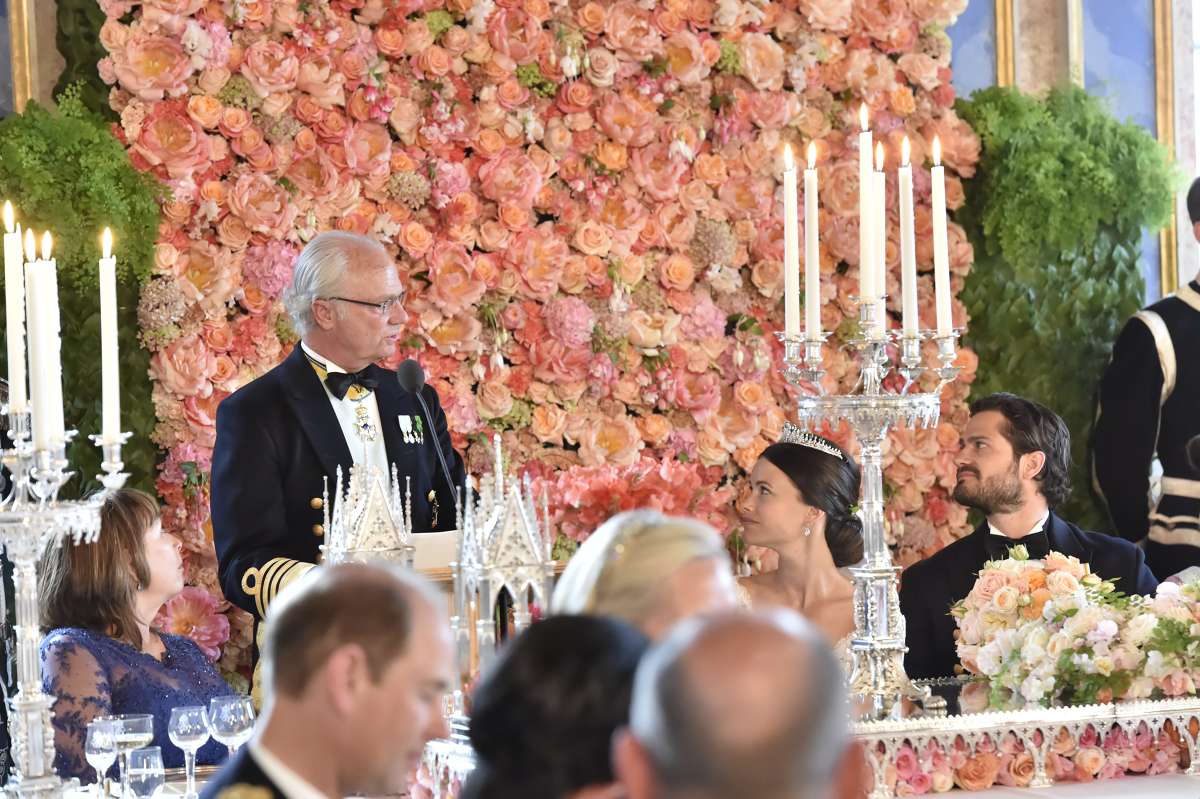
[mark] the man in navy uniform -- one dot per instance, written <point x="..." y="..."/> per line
<point x="1147" y="411"/>
<point x="326" y="405"/>
<point x="358" y="659"/>
<point x="1014" y="467"/>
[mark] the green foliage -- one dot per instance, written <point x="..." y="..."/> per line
<point x="1055" y="213"/>
<point x="530" y="76"/>
<point x="730" y="60"/>
<point x="78" y="39"/>
<point x="438" y="22"/>
<point x="65" y="172"/>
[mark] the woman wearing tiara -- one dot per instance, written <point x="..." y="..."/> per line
<point x="802" y="493"/>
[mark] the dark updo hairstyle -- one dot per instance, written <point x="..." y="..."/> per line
<point x="544" y="715"/>
<point x="830" y="484"/>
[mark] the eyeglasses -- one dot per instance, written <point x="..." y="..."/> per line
<point x="383" y="308"/>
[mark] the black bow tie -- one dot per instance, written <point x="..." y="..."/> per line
<point x="1037" y="544"/>
<point x="339" y="382"/>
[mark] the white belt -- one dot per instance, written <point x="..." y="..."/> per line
<point x="1179" y="487"/>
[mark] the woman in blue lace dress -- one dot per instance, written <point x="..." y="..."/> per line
<point x="100" y="655"/>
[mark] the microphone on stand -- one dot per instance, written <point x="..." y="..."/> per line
<point x="411" y="377"/>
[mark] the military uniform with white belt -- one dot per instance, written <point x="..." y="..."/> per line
<point x="1148" y="410"/>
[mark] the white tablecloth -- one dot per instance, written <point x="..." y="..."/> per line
<point x="1162" y="786"/>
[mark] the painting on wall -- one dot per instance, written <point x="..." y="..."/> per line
<point x="1119" y="65"/>
<point x="7" y="103"/>
<point x="974" y="54"/>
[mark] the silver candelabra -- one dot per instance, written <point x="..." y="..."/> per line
<point x="877" y="678"/>
<point x="33" y="518"/>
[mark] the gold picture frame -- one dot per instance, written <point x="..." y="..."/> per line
<point x="23" y="38"/>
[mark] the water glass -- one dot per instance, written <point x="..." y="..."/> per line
<point x="100" y="748"/>
<point x="231" y="720"/>
<point x="146" y="774"/>
<point x="132" y="731"/>
<point x="188" y="729"/>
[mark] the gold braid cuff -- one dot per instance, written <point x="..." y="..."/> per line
<point x="264" y="583"/>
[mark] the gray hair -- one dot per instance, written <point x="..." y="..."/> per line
<point x="788" y="739"/>
<point x="320" y="266"/>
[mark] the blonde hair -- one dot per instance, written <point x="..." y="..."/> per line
<point x="620" y="569"/>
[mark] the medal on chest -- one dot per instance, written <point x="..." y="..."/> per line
<point x="362" y="425"/>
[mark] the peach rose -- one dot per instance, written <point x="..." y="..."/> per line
<point x="655" y="428"/>
<point x="205" y="110"/>
<point x="610" y="441"/>
<point x="710" y="167"/>
<point x="254" y="300"/>
<point x="591" y="238"/>
<point x="624" y="119"/>
<point x="1060" y="583"/>
<point x="493" y="400"/>
<point x="685" y="57"/>
<point x="1021" y="769"/>
<point x="270" y="68"/>
<point x="320" y="79"/>
<point x="612" y="155"/>
<point x="1089" y="759"/>
<point x="632" y="32"/>
<point x="978" y="772"/>
<point x="677" y="272"/>
<point x="184" y="367"/>
<point x="711" y="447"/>
<point x="650" y="332"/>
<point x="453" y="285"/>
<point x="839" y="188"/>
<point x="590" y="17"/>
<point x="512" y="178"/>
<point x="762" y="61"/>
<point x="233" y="233"/>
<point x="152" y="67"/>
<point x="213" y="79"/>
<point x="988" y="583"/>
<point x="1056" y="561"/>
<point x="1005" y="600"/>
<point x="833" y="15"/>
<point x="631" y="270"/>
<point x="314" y="175"/>
<point x="548" y="424"/>
<point x="974" y="697"/>
<point x="263" y="205"/>
<point x="601" y="67"/>
<point x="415" y="238"/>
<point x="752" y="396"/>
<point x="176" y="141"/>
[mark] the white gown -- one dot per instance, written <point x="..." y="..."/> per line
<point x="841" y="649"/>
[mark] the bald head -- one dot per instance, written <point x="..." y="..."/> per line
<point x="741" y="705"/>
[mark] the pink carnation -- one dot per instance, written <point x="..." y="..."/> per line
<point x="269" y="266"/>
<point x="196" y="614"/>
<point x="570" y="320"/>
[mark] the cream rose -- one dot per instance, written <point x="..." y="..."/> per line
<point x="493" y="400"/>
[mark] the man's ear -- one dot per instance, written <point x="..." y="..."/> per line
<point x="1032" y="464"/>
<point x="343" y="677"/>
<point x="632" y="766"/>
<point x="322" y="312"/>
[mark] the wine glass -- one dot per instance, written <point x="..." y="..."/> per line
<point x="100" y="748"/>
<point x="146" y="774"/>
<point x="133" y="731"/>
<point x="231" y="720"/>
<point x="188" y="729"/>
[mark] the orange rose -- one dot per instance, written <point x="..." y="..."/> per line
<point x="415" y="239"/>
<point x="1021" y="769"/>
<point x="677" y="272"/>
<point x="591" y="17"/>
<point x="233" y="233"/>
<point x="493" y="236"/>
<point x="434" y="60"/>
<point x="710" y="167"/>
<point x="205" y="110"/>
<point x="1089" y="759"/>
<point x="978" y="772"/>
<point x="548" y="424"/>
<point x="711" y="447"/>
<point x="612" y="155"/>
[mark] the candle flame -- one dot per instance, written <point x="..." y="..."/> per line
<point x="862" y="116"/>
<point x="879" y="157"/>
<point x="47" y="242"/>
<point x="812" y="155"/>
<point x="8" y="217"/>
<point x="788" y="164"/>
<point x="905" y="151"/>
<point x="937" y="151"/>
<point x="30" y="246"/>
<point x="106" y="242"/>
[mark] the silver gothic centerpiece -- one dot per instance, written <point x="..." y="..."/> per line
<point x="877" y="680"/>
<point x="370" y="521"/>
<point x="33" y="518"/>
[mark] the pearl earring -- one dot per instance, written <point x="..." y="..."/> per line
<point x="807" y="531"/>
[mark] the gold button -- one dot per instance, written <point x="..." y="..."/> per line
<point x="316" y="503"/>
<point x="318" y="529"/>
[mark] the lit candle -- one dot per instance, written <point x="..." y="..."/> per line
<point x="812" y="251"/>
<point x="908" y="244"/>
<point x="45" y="351"/>
<point x="791" y="248"/>
<point x="110" y="429"/>
<point x="879" y="229"/>
<point x="941" y="255"/>
<point x="865" y="217"/>
<point x="14" y="308"/>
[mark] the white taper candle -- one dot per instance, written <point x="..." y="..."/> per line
<point x="14" y="309"/>
<point x="941" y="255"/>
<point x="812" y="249"/>
<point x="791" y="247"/>
<point x="908" y="245"/>
<point x="110" y="429"/>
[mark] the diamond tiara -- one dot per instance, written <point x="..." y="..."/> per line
<point x="794" y="435"/>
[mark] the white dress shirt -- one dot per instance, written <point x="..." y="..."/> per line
<point x="1036" y="528"/>
<point x="373" y="453"/>
<point x="291" y="784"/>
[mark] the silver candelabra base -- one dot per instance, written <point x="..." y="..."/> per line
<point x="32" y="519"/>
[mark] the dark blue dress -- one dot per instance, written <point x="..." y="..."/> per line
<point x="90" y="674"/>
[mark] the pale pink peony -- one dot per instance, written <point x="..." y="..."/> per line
<point x="511" y="178"/>
<point x="262" y="204"/>
<point x="762" y="61"/>
<point x="184" y="366"/>
<point x="152" y="67"/>
<point x="515" y="34"/>
<point x="196" y="614"/>
<point x="631" y="32"/>
<point x="685" y="57"/>
<point x="368" y="149"/>
<point x="170" y="137"/>
<point x="625" y="119"/>
<point x="833" y="15"/>
<point x="320" y="79"/>
<point x="454" y="287"/>
<point x="657" y="171"/>
<point x="611" y="440"/>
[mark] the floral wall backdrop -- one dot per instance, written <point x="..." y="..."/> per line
<point x="584" y="200"/>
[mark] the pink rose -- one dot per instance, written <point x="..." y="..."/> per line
<point x="511" y="178"/>
<point x="657" y="172"/>
<point x="170" y="137"/>
<point x="762" y="61"/>
<point x="610" y="440"/>
<point x="631" y="31"/>
<point x="184" y="367"/>
<point x="152" y="67"/>
<point x="700" y="394"/>
<point x="601" y="67"/>
<point x="368" y="149"/>
<point x="262" y="204"/>
<point x="748" y="197"/>
<point x="454" y="287"/>
<point x="960" y="144"/>
<point x="938" y="12"/>
<point x="270" y="68"/>
<point x="987" y="584"/>
<point x="196" y="614"/>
